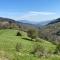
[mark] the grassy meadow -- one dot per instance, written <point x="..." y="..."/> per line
<point x="8" y="41"/>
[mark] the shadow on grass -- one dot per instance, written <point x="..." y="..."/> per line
<point x="27" y="39"/>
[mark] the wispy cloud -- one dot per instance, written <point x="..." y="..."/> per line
<point x="42" y="13"/>
<point x="33" y="15"/>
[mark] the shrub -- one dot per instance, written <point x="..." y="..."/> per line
<point x="38" y="40"/>
<point x="57" y="50"/>
<point x="18" y="47"/>
<point x="19" y="34"/>
<point x="38" y="50"/>
<point x="32" y="33"/>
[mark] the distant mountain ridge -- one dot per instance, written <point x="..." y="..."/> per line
<point x="25" y="23"/>
<point x="51" y="31"/>
<point x="7" y="22"/>
<point x="42" y="23"/>
<point x="6" y="19"/>
<point x="38" y="24"/>
<point x="54" y="21"/>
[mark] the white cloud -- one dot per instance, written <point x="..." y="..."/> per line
<point x="31" y="15"/>
<point x="42" y="13"/>
<point x="38" y="16"/>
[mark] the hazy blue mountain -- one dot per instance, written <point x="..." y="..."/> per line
<point x="35" y="23"/>
<point x="27" y="21"/>
<point x="43" y="23"/>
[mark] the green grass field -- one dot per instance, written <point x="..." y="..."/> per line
<point x="8" y="41"/>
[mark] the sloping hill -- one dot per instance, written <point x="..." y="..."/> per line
<point x="6" y="19"/>
<point x="13" y="24"/>
<point x="8" y="41"/>
<point x="54" y="21"/>
<point x="7" y="23"/>
<point x="52" y="31"/>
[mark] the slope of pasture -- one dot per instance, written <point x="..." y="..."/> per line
<point x="8" y="41"/>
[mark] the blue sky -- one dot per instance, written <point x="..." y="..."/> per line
<point x="32" y="10"/>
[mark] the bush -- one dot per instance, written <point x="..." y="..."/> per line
<point x="32" y="33"/>
<point x="57" y="50"/>
<point x="18" y="47"/>
<point x="38" y="50"/>
<point x="38" y="40"/>
<point x="19" y="34"/>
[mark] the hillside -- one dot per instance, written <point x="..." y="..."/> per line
<point x="13" y="24"/>
<point x="54" y="21"/>
<point x="15" y="47"/>
<point x="52" y="31"/>
<point x="8" y="47"/>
